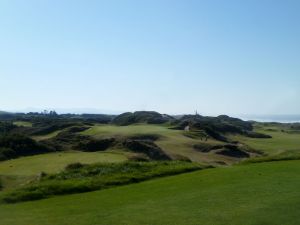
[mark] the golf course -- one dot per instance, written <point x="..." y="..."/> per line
<point x="160" y="112"/>
<point x="191" y="170"/>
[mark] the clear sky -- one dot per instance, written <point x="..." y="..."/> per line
<point x="217" y="57"/>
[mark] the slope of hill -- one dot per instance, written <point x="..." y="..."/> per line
<point x="264" y="193"/>
<point x="3" y="112"/>
<point x="6" y="115"/>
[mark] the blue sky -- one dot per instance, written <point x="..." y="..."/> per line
<point x="217" y="57"/>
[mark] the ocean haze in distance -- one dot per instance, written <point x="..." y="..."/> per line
<point x="217" y="57"/>
<point x="272" y="118"/>
<point x="68" y="110"/>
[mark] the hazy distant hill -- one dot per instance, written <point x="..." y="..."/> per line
<point x="3" y="112"/>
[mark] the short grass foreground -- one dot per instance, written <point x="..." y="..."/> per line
<point x="78" y="178"/>
<point x="260" y="193"/>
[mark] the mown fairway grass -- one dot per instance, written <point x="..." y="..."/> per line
<point x="173" y="142"/>
<point x="16" y="172"/>
<point x="264" y="193"/>
<point x="280" y="141"/>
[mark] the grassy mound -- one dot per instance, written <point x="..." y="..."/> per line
<point x="79" y="178"/>
<point x="141" y="117"/>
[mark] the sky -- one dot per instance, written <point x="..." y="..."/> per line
<point x="214" y="56"/>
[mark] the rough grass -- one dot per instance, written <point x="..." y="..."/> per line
<point x="254" y="194"/>
<point x="79" y="178"/>
<point x="17" y="172"/>
<point x="287" y="155"/>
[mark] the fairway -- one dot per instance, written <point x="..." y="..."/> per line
<point x="265" y="193"/>
<point x="136" y="129"/>
<point x="22" y="124"/>
<point x="281" y="141"/>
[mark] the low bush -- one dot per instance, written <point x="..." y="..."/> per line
<point x="77" y="129"/>
<point x="181" y="158"/>
<point x="15" y="145"/>
<point x="6" y="127"/>
<point x="73" y="166"/>
<point x="206" y="147"/>
<point x="139" y="157"/>
<point x="233" y="152"/>
<point x="257" y="135"/>
<point x="6" y="153"/>
<point x="146" y="147"/>
<point x="92" y="145"/>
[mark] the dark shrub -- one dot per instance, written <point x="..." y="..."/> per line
<point x="74" y="166"/>
<point x="15" y="145"/>
<point x="95" y="145"/>
<point x="233" y="151"/>
<point x="147" y="147"/>
<point x="77" y="129"/>
<point x="7" y="153"/>
<point x="257" y="135"/>
<point x="214" y="134"/>
<point x="138" y="158"/>
<point x="46" y="128"/>
<point x="6" y="127"/>
<point x="215" y="126"/>
<point x="205" y="147"/>
<point x="181" y="158"/>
